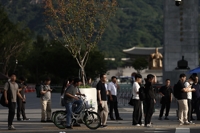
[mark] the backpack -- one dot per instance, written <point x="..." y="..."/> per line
<point x="38" y="89"/>
<point x="9" y="97"/>
<point x="175" y="92"/>
<point x="142" y="95"/>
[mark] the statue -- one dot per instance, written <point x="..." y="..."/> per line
<point x="156" y="60"/>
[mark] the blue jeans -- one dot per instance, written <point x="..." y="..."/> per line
<point x="78" y="104"/>
<point x="68" y="107"/>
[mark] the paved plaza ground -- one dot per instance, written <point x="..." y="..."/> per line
<point x="35" y="126"/>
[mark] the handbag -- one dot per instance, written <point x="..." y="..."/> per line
<point x="9" y="97"/>
<point x="131" y="101"/>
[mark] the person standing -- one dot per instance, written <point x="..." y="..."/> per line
<point x="182" y="100"/>
<point x="196" y="97"/>
<point x="189" y="96"/>
<point x="137" y="107"/>
<point x="11" y="91"/>
<point x="112" y="89"/>
<point x="46" y="100"/>
<point x="70" y="99"/>
<point x="102" y="100"/>
<point x="20" y="103"/>
<point x="166" y="93"/>
<point x="149" y="99"/>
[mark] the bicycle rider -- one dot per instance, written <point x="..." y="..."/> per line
<point x="70" y="99"/>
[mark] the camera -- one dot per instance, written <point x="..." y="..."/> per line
<point x="178" y="2"/>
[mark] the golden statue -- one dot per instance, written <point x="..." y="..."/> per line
<point x="156" y="60"/>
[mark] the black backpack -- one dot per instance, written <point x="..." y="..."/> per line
<point x="175" y="92"/>
<point x="9" y="97"/>
<point x="142" y="93"/>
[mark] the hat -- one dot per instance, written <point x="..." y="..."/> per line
<point x="76" y="80"/>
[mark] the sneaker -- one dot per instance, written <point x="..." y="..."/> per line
<point x="49" y="121"/>
<point x="104" y="126"/>
<point x="119" y="118"/>
<point x="69" y="127"/>
<point x="191" y="122"/>
<point x="26" y="119"/>
<point x="111" y="118"/>
<point x="19" y="119"/>
<point x="76" y="125"/>
<point x="142" y="125"/>
<point x="181" y="124"/>
<point x="148" y="125"/>
<point x="186" y="123"/>
<point x="42" y="121"/>
<point x="137" y="125"/>
<point x="166" y="118"/>
<point x="160" y="118"/>
<point x="11" y="127"/>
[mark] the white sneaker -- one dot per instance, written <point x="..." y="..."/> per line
<point x="181" y="124"/>
<point x="186" y="123"/>
<point x="148" y="125"/>
<point x="137" y="125"/>
<point x="191" y="122"/>
<point x="142" y="125"/>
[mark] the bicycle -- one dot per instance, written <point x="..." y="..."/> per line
<point x="87" y="116"/>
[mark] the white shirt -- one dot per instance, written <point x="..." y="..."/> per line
<point x="189" y="94"/>
<point x="112" y="88"/>
<point x="136" y="88"/>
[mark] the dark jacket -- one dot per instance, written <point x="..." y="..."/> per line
<point x="149" y="91"/>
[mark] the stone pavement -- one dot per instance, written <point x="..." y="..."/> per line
<point x="34" y="125"/>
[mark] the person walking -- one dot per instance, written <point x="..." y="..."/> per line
<point x="137" y="107"/>
<point x="20" y="102"/>
<point x="102" y="100"/>
<point x="166" y="93"/>
<point x="189" y="97"/>
<point x="196" y="97"/>
<point x="112" y="89"/>
<point x="149" y="99"/>
<point x="11" y="91"/>
<point x="46" y="100"/>
<point x="182" y="100"/>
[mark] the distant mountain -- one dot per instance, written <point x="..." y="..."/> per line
<point x="136" y="23"/>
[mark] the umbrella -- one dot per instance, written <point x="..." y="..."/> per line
<point x="3" y="77"/>
<point x="196" y="70"/>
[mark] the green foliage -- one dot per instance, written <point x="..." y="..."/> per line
<point x="51" y="59"/>
<point x="140" y="63"/>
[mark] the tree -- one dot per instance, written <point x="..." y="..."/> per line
<point x="12" y="41"/>
<point x="79" y="25"/>
<point x="140" y="63"/>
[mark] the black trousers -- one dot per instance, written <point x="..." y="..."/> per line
<point x="137" y="112"/>
<point x="114" y="105"/>
<point x="149" y="110"/>
<point x="197" y="108"/>
<point x="189" y="109"/>
<point x="165" y="104"/>
<point x="20" y="109"/>
<point x="11" y="113"/>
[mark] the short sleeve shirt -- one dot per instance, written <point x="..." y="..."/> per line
<point x="112" y="88"/>
<point x="102" y="88"/>
<point x="181" y="94"/>
<point x="14" y="89"/>
<point x="166" y="91"/>
<point x="189" y="94"/>
<point x="46" y="96"/>
<point x="71" y="90"/>
<point x="135" y="90"/>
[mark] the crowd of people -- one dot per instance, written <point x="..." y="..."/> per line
<point x="186" y="92"/>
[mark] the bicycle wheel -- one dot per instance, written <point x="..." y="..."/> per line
<point x="60" y="119"/>
<point x="92" y="120"/>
